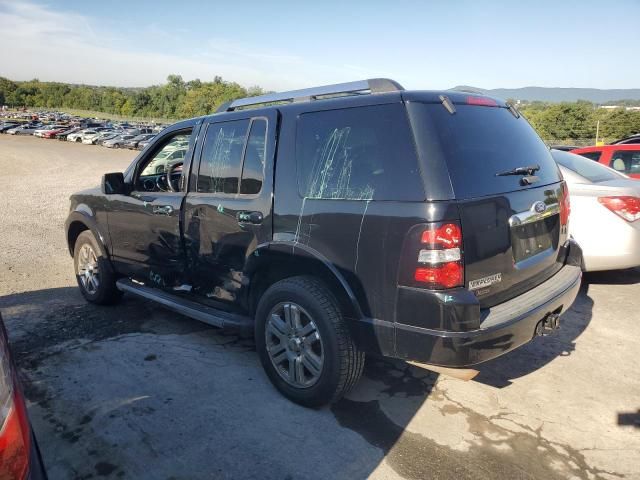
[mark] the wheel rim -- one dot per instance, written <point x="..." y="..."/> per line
<point x="88" y="271"/>
<point x="294" y="345"/>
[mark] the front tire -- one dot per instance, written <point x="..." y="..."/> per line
<point x="304" y="343"/>
<point x="94" y="274"/>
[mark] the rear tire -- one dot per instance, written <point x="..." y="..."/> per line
<point x="94" y="273"/>
<point x="307" y="352"/>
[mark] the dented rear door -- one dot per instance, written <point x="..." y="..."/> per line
<point x="227" y="212"/>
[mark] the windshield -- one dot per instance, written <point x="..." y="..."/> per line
<point x="480" y="142"/>
<point x="592" y="171"/>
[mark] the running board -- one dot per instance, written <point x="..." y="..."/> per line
<point x="197" y="311"/>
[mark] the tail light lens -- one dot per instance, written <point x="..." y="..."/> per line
<point x="14" y="430"/>
<point x="624" y="206"/>
<point x="440" y="263"/>
<point x="565" y="205"/>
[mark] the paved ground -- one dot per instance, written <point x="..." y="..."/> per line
<point x="134" y="391"/>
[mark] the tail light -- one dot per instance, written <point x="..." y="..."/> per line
<point x="14" y="430"/>
<point x="565" y="205"/>
<point x="624" y="206"/>
<point x="439" y="261"/>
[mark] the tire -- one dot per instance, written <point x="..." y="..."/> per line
<point x="341" y="363"/>
<point x="78" y="140"/>
<point x="99" y="285"/>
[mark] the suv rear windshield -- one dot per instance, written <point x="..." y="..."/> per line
<point x="478" y="142"/>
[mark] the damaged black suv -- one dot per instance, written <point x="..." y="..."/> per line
<point x="338" y="221"/>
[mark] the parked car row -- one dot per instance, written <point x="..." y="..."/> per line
<point x="81" y="130"/>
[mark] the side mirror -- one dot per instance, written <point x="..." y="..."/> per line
<point x="113" y="183"/>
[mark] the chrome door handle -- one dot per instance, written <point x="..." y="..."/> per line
<point x="163" y="210"/>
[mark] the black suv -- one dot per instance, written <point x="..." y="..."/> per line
<point x="338" y="221"/>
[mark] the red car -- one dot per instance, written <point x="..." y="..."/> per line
<point x="623" y="158"/>
<point x="20" y="457"/>
<point x="53" y="133"/>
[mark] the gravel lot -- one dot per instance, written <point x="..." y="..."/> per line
<point x="135" y="391"/>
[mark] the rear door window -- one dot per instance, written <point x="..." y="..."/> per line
<point x="362" y="153"/>
<point x="253" y="165"/>
<point x="221" y="160"/>
<point x="626" y="161"/>
<point x="478" y="142"/>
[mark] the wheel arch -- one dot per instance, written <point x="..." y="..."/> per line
<point x="275" y="261"/>
<point x="78" y="222"/>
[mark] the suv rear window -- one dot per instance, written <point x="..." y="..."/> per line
<point x="362" y="153"/>
<point x="478" y="142"/>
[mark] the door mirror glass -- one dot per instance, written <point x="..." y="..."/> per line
<point x="113" y="183"/>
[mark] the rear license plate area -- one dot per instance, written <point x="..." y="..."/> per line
<point x="532" y="238"/>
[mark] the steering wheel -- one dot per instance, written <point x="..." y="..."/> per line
<point x="172" y="183"/>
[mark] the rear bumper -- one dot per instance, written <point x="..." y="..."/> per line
<point x="502" y="328"/>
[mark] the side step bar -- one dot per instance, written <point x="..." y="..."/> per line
<point x="211" y="316"/>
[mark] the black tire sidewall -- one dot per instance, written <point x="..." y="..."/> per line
<point x="323" y="390"/>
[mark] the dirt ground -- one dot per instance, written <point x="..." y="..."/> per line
<point x="135" y="391"/>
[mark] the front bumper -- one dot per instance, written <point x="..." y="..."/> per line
<point x="502" y="329"/>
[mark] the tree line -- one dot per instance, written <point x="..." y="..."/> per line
<point x="173" y="100"/>
<point x="567" y="122"/>
<point x="576" y="121"/>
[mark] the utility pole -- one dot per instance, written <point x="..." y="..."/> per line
<point x="597" y="130"/>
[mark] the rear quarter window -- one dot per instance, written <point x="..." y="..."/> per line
<point x="477" y="142"/>
<point x="361" y="153"/>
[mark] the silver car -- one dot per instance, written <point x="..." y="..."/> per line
<point x="605" y="212"/>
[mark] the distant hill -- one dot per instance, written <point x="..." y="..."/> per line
<point x="545" y="94"/>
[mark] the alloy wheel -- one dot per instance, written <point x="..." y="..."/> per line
<point x="294" y="345"/>
<point x="88" y="271"/>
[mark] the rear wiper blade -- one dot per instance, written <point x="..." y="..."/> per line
<point x="530" y="170"/>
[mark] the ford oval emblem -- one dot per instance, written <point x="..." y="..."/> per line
<point x="539" y="207"/>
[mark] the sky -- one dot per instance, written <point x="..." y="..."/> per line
<point x="281" y="45"/>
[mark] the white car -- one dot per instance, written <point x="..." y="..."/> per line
<point x="605" y="212"/>
<point x="76" y="137"/>
<point x="88" y="136"/>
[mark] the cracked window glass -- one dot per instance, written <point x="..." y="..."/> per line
<point x="221" y="160"/>
<point x="362" y="153"/>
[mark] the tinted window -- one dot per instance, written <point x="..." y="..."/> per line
<point x="359" y="153"/>
<point x="592" y="171"/>
<point x="626" y="161"/>
<point x="221" y="158"/>
<point x="592" y="155"/>
<point x="478" y="142"/>
<point x="253" y="166"/>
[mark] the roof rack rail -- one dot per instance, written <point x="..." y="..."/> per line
<point x="360" y="87"/>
